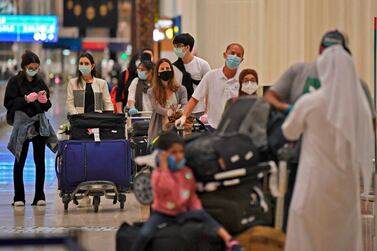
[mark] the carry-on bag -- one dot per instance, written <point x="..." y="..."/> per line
<point x="108" y="125"/>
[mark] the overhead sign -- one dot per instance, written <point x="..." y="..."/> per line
<point x="28" y="28"/>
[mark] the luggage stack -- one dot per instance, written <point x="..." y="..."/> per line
<point x="96" y="161"/>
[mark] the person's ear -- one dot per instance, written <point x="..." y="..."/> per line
<point x="225" y="55"/>
<point x="93" y="65"/>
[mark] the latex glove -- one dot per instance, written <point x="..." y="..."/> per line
<point x="289" y="109"/>
<point x="204" y="119"/>
<point x="170" y="112"/>
<point x="181" y="121"/>
<point x="133" y="111"/>
<point x="31" y="97"/>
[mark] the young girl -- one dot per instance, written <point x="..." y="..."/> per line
<point x="164" y="93"/>
<point x="174" y="194"/>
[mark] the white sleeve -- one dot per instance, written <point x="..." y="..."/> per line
<point x="108" y="105"/>
<point x="205" y="68"/>
<point x="71" y="109"/>
<point x="294" y="124"/>
<point x="132" y="89"/>
<point x="201" y="91"/>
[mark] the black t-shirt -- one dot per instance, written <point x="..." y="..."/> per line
<point x="89" y="99"/>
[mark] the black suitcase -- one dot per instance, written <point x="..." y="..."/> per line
<point x="140" y="145"/>
<point x="111" y="126"/>
<point x="140" y="128"/>
<point x="239" y="207"/>
<point x="192" y="236"/>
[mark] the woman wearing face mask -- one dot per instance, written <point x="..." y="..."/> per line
<point x="26" y="100"/>
<point x="248" y="85"/>
<point x="165" y="92"/>
<point x="86" y="93"/>
<point x="138" y="99"/>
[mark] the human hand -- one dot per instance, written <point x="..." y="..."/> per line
<point x="42" y="97"/>
<point x="181" y="121"/>
<point x="133" y="111"/>
<point x="31" y="97"/>
<point x="163" y="158"/>
<point x="204" y="119"/>
<point x="170" y="112"/>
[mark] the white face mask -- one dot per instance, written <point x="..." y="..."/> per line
<point x="249" y="87"/>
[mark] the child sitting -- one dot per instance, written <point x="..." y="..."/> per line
<point x="174" y="194"/>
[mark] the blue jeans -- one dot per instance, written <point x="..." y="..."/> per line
<point x="156" y="219"/>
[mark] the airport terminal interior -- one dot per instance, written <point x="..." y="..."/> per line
<point x="188" y="125"/>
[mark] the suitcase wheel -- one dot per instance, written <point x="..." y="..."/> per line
<point x="122" y="200"/>
<point x="66" y="199"/>
<point x="96" y="202"/>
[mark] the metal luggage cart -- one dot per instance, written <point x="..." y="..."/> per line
<point x="96" y="189"/>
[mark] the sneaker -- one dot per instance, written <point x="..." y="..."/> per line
<point x="85" y="202"/>
<point x="234" y="245"/>
<point x="41" y="203"/>
<point x="18" y="204"/>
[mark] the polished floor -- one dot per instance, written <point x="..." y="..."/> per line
<point x="97" y="229"/>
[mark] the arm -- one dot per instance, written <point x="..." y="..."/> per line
<point x="194" y="203"/>
<point x="131" y="93"/>
<point x="71" y="109"/>
<point x="13" y="99"/>
<point x="200" y="93"/>
<point x="294" y="124"/>
<point x="46" y="106"/>
<point x="183" y="96"/>
<point x="272" y="98"/>
<point x="155" y="105"/>
<point x="108" y="105"/>
<point x="162" y="180"/>
<point x="278" y="95"/>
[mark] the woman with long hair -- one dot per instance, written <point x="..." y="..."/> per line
<point x="164" y="94"/>
<point x="86" y="93"/>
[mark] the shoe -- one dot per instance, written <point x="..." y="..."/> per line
<point x="234" y="245"/>
<point x="41" y="203"/>
<point x="18" y="204"/>
<point x="85" y="202"/>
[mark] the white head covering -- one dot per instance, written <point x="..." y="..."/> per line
<point x="347" y="111"/>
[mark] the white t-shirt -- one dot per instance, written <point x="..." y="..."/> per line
<point x="198" y="67"/>
<point x="147" y="107"/>
<point x="218" y="90"/>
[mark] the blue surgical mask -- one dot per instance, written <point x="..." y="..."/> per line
<point x="85" y="69"/>
<point x="31" y="73"/>
<point x="173" y="166"/>
<point x="142" y="75"/>
<point x="233" y="62"/>
<point x="176" y="166"/>
<point x="179" y="52"/>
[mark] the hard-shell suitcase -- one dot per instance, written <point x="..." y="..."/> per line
<point x="110" y="126"/>
<point x="80" y="161"/>
<point x="191" y="236"/>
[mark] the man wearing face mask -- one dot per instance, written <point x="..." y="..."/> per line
<point x="218" y="86"/>
<point x="189" y="69"/>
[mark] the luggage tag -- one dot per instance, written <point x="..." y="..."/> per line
<point x="95" y="132"/>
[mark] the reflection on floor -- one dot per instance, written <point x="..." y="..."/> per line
<point x="98" y="229"/>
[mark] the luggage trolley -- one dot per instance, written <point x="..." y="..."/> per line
<point x="87" y="168"/>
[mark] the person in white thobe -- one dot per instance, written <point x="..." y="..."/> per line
<point x="337" y="147"/>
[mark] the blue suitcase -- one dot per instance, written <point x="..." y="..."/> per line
<point x="79" y="161"/>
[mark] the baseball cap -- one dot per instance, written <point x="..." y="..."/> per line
<point x="334" y="38"/>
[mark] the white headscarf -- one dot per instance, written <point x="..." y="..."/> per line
<point x="347" y="111"/>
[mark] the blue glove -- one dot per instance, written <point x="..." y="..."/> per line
<point x="290" y="108"/>
<point x="133" y="111"/>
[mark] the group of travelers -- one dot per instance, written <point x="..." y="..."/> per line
<point x="328" y="108"/>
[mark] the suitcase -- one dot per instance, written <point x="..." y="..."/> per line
<point x="140" y="127"/>
<point x="239" y="207"/>
<point x="263" y="238"/>
<point x="140" y="145"/>
<point x="191" y="236"/>
<point x="111" y="126"/>
<point x="79" y="161"/>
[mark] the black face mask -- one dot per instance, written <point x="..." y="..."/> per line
<point x="165" y="75"/>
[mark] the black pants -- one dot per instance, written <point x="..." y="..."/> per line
<point x="39" y="143"/>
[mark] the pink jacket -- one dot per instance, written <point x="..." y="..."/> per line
<point x="174" y="192"/>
